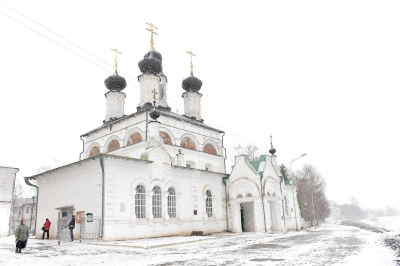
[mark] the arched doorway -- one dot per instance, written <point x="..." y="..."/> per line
<point x="247" y="216"/>
<point x="273" y="215"/>
<point x="246" y="212"/>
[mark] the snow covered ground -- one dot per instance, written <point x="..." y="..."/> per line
<point x="391" y="223"/>
<point x="330" y="244"/>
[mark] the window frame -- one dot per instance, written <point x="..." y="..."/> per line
<point x="140" y="201"/>
<point x="156" y="201"/>
<point x="171" y="202"/>
<point x="208" y="202"/>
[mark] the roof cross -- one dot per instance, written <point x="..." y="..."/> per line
<point x="191" y="63"/>
<point x="154" y="95"/>
<point x="271" y="140"/>
<point x="152" y="27"/>
<point x="116" y="60"/>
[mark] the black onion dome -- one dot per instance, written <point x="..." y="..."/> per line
<point x="192" y="84"/>
<point x="155" y="54"/>
<point x="115" y="82"/>
<point x="154" y="114"/>
<point x="272" y="151"/>
<point x="150" y="65"/>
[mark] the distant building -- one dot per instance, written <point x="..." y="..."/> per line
<point x="335" y="214"/>
<point x="24" y="208"/>
<point x="354" y="201"/>
<point x="7" y="184"/>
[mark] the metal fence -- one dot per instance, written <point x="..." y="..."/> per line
<point x="90" y="230"/>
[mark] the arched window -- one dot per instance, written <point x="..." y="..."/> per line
<point x="157" y="202"/>
<point x="239" y="196"/>
<point x="273" y="195"/>
<point x="188" y="143"/>
<point x="248" y="195"/>
<point x="134" y="138"/>
<point x="209" y="210"/>
<point x="165" y="137"/>
<point x="209" y="148"/>
<point x="171" y="203"/>
<point x="286" y="205"/>
<point x="114" y="145"/>
<point x="268" y="194"/>
<point x="94" y="151"/>
<point x="140" y="202"/>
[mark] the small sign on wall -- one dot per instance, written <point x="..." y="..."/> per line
<point x="122" y="207"/>
<point x="89" y="217"/>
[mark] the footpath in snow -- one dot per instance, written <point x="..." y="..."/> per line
<point x="330" y="244"/>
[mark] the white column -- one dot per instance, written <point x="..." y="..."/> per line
<point x="192" y="103"/>
<point x="115" y="105"/>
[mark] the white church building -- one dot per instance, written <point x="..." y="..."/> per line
<point x="159" y="173"/>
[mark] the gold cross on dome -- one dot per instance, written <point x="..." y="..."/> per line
<point x="152" y="27"/>
<point x="191" y="63"/>
<point x="116" y="60"/>
<point x="154" y="94"/>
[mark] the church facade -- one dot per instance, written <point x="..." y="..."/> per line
<point x="158" y="173"/>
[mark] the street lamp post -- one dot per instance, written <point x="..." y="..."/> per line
<point x="294" y="202"/>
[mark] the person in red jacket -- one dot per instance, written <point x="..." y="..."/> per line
<point x="46" y="227"/>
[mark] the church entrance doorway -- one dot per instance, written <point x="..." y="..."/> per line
<point x="274" y="216"/>
<point x="64" y="217"/>
<point x="247" y="216"/>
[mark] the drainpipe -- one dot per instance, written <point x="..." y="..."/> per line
<point x="83" y="148"/>
<point x="226" y="200"/>
<point x="147" y="122"/>
<point x="37" y="196"/>
<point x="283" y="209"/>
<point x="225" y="151"/>
<point x="101" y="157"/>
<point x="262" y="200"/>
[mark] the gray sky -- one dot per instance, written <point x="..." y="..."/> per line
<point x="320" y="76"/>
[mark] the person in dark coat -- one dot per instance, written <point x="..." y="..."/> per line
<point x="71" y="227"/>
<point x="46" y="227"/>
<point x="21" y="236"/>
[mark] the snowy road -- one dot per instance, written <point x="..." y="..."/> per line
<point x="330" y="244"/>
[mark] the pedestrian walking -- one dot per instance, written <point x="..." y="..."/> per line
<point x="46" y="228"/>
<point x="71" y="227"/>
<point x="21" y="236"/>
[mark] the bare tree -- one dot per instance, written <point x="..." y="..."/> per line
<point x="19" y="188"/>
<point x="312" y="200"/>
<point x="43" y="169"/>
<point x="251" y="150"/>
<point x="284" y="171"/>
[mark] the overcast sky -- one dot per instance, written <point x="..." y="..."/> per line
<point x="321" y="76"/>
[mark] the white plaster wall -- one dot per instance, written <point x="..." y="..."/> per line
<point x="122" y="130"/>
<point x="78" y="185"/>
<point x="122" y="177"/>
<point x="291" y="218"/>
<point x="7" y="180"/>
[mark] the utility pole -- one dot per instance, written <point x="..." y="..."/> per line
<point x="312" y="199"/>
